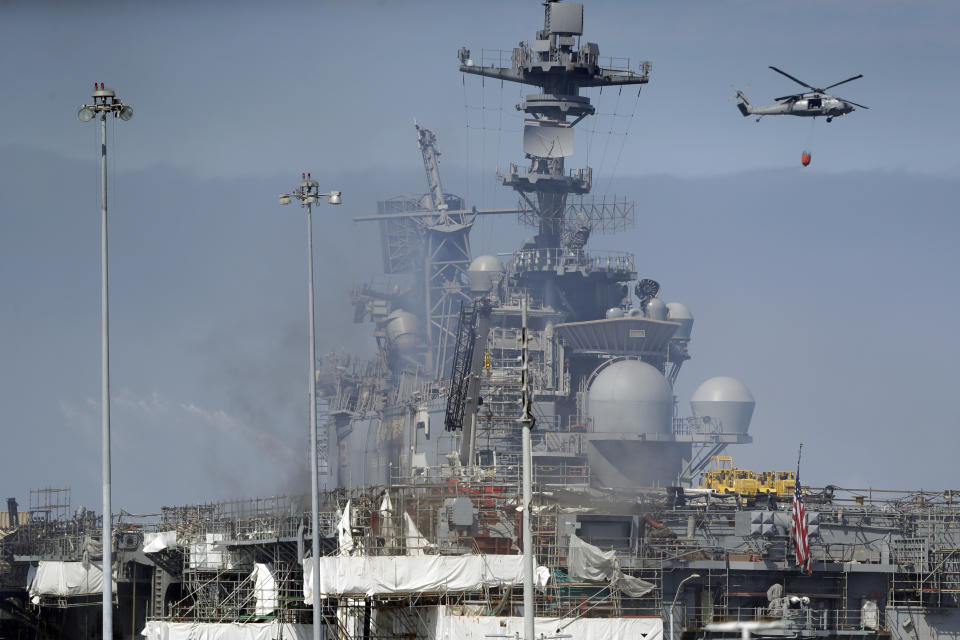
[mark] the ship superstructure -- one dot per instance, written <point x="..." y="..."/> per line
<point x="603" y="362"/>
<point x="420" y="530"/>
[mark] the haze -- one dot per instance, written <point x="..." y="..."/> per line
<point x="829" y="290"/>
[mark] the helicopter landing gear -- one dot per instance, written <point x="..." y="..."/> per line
<point x="830" y="119"/>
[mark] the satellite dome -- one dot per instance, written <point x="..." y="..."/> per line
<point x="615" y="312"/>
<point x="726" y="401"/>
<point x="678" y="312"/>
<point x="656" y="309"/>
<point x="630" y="396"/>
<point x="484" y="273"/>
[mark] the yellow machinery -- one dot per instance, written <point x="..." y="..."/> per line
<point x="778" y="483"/>
<point x="724" y="478"/>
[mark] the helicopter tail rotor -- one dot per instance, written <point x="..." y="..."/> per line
<point x="742" y="103"/>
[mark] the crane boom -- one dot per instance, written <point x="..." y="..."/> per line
<point x="427" y="142"/>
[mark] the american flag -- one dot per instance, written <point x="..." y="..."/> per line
<point x="800" y="543"/>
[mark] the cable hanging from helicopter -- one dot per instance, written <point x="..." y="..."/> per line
<point x="807" y="155"/>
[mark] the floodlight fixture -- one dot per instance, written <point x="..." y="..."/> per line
<point x="126" y="112"/>
<point x="334" y="198"/>
<point x="85" y="114"/>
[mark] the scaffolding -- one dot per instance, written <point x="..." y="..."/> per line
<point x="869" y="553"/>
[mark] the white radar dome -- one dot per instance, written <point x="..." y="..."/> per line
<point x="656" y="309"/>
<point x="484" y="273"/>
<point x="726" y="401"/>
<point x="630" y="396"/>
<point x="615" y="312"/>
<point x="678" y="312"/>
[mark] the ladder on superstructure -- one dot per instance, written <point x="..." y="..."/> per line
<point x="323" y="442"/>
<point x="460" y="373"/>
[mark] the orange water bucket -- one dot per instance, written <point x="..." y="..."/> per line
<point x="805" y="158"/>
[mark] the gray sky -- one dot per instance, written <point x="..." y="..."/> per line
<point x="829" y="290"/>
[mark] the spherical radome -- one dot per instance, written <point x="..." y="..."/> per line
<point x="656" y="309"/>
<point x="630" y="396"/>
<point x="726" y="401"/>
<point x="484" y="273"/>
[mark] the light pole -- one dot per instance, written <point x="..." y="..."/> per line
<point x="105" y="102"/>
<point x="677" y="595"/>
<point x="307" y="193"/>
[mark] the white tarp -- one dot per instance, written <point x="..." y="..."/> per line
<point x="370" y="575"/>
<point x="386" y="520"/>
<point x="344" y="533"/>
<point x="414" y="539"/>
<point x="159" y="630"/>
<point x="155" y="542"/>
<point x="66" y="579"/>
<point x="587" y="562"/>
<point x="264" y="589"/>
<point x="210" y="554"/>
<point x="451" y="627"/>
<point x="541" y="578"/>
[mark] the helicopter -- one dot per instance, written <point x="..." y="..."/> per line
<point x="813" y="103"/>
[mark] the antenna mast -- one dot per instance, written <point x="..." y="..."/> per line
<point x="553" y="63"/>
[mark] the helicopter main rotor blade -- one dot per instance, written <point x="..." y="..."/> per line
<point x="837" y="84"/>
<point x="854" y="103"/>
<point x="800" y="82"/>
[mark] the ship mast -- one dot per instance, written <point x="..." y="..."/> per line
<point x="555" y="64"/>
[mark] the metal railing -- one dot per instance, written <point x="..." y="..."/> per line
<point x="555" y="258"/>
<point x="524" y="56"/>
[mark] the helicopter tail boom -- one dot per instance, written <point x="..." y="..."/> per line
<point x="743" y="104"/>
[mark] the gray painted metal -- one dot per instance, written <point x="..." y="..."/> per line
<point x="630" y="396"/>
<point x="725" y="401"/>
<point x="105" y="102"/>
<point x="484" y="273"/>
<point x="678" y="312"/>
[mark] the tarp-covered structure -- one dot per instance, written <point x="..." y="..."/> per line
<point x="463" y="627"/>
<point x="587" y="562"/>
<point x="65" y="579"/>
<point x="159" y="541"/>
<point x="375" y="575"/>
<point x="264" y="589"/>
<point x="439" y="623"/>
<point x="160" y="630"/>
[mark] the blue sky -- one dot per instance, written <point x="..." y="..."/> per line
<point x="829" y="290"/>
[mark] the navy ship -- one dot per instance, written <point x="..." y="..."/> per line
<point x="641" y="527"/>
